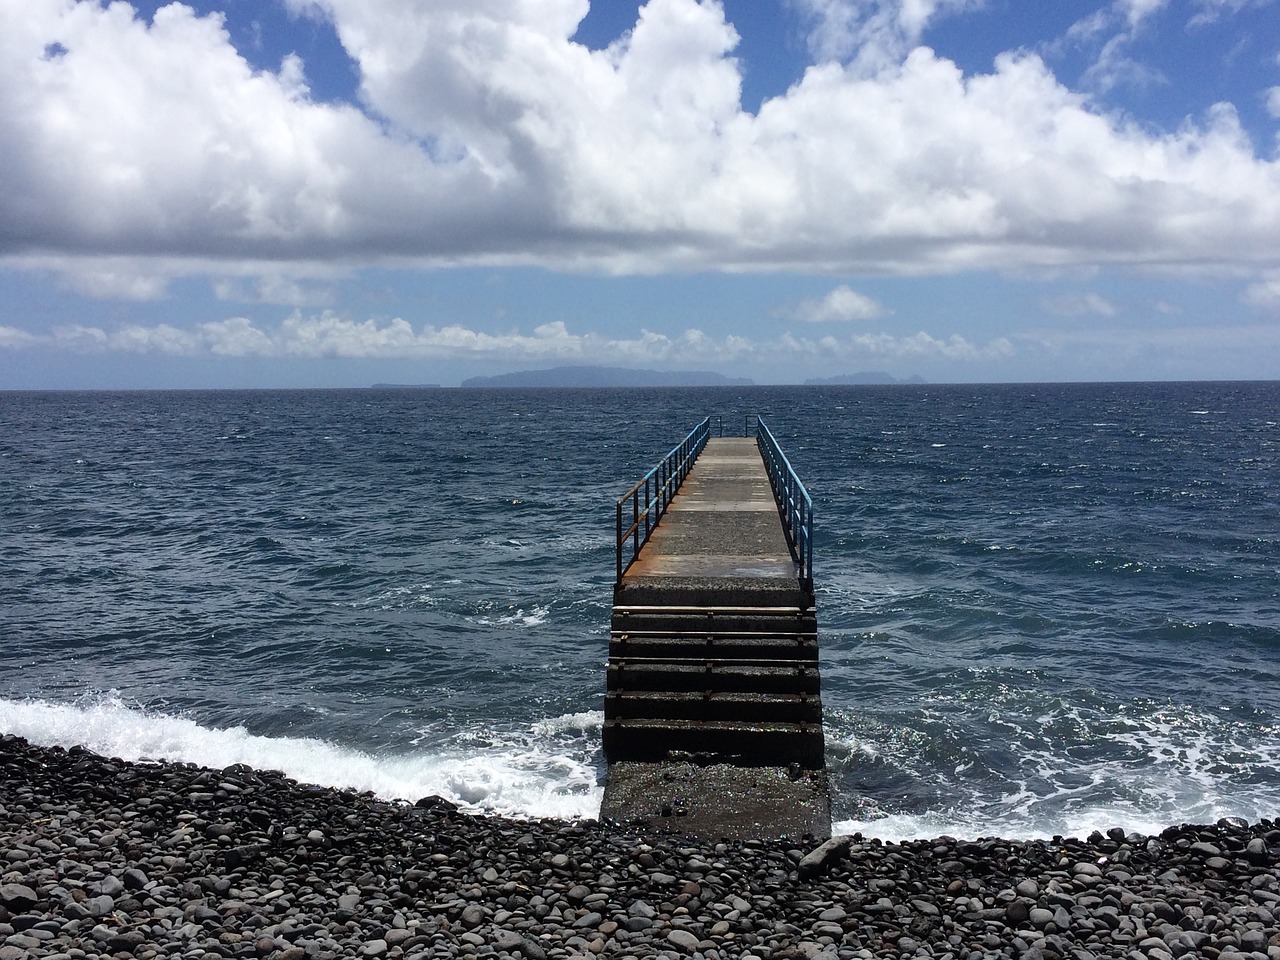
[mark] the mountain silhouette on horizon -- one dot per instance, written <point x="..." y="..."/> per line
<point x="607" y="377"/>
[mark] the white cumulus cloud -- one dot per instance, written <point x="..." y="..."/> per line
<point x="1265" y="293"/>
<point x="134" y="152"/>
<point x="1082" y="304"/>
<point x="15" y="339"/>
<point x="874" y="34"/>
<point x="841" y="304"/>
<point x="1273" y="101"/>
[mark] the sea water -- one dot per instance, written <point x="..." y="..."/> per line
<point x="1043" y="609"/>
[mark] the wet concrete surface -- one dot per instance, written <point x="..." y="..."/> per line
<point x="716" y="801"/>
<point x="723" y="522"/>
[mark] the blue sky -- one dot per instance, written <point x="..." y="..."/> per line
<point x="299" y="193"/>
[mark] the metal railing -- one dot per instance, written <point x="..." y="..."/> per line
<point x="794" y="502"/>
<point x="659" y="486"/>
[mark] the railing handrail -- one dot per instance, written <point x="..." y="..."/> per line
<point x="660" y="485"/>
<point x="794" y="503"/>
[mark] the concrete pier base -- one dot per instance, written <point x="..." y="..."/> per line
<point x="718" y="800"/>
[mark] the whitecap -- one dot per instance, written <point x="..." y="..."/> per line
<point x="541" y="771"/>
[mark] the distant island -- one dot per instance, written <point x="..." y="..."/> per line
<point x="606" y="377"/>
<point x="865" y="377"/>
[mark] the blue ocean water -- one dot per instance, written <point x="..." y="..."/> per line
<point x="1043" y="609"/>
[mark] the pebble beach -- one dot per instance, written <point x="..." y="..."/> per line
<point x="106" y="858"/>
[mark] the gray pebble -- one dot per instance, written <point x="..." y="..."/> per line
<point x="17" y="897"/>
<point x="1039" y="917"/>
<point x="1018" y="911"/>
<point x="683" y="939"/>
<point x="98" y="906"/>
<point x="507" y="940"/>
<point x="154" y="870"/>
<point x="1257" y="852"/>
<point x="108" y="886"/>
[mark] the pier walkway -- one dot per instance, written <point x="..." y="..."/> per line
<point x="713" y="712"/>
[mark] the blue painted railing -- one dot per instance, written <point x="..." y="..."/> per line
<point x="794" y="502"/>
<point x="644" y="504"/>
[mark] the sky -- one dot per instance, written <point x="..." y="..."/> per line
<point x="335" y="193"/>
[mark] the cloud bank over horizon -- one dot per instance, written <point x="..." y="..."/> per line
<point x="487" y="135"/>
<point x="327" y="335"/>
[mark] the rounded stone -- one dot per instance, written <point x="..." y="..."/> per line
<point x="1017" y="912"/>
<point x="17" y="897"/>
<point x="1257" y="853"/>
<point x="507" y="940"/>
<point x="1040" y="917"/>
<point x="683" y="939"/>
<point x="98" y="906"/>
<point x="107" y="886"/>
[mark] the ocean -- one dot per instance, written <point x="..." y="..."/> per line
<point x="1043" y="609"/>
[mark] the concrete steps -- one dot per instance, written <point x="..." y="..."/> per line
<point x="722" y="633"/>
<point x="714" y="646"/>
<point x="777" y="677"/>
<point x="707" y="705"/>
<point x="722" y="683"/>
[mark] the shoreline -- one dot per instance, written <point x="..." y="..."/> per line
<point x="104" y="857"/>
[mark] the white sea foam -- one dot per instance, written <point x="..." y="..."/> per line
<point x="1158" y="766"/>
<point x="535" y="616"/>
<point x="586" y="722"/>
<point x="525" y="774"/>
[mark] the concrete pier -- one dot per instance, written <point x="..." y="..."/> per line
<point x="713" y="712"/>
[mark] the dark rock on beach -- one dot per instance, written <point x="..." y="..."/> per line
<point x="105" y="858"/>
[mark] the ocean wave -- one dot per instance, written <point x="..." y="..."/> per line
<point x="1013" y="762"/>
<point x="1064" y="641"/>
<point x="521" y="773"/>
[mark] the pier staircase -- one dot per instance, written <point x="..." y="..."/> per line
<point x="736" y="683"/>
